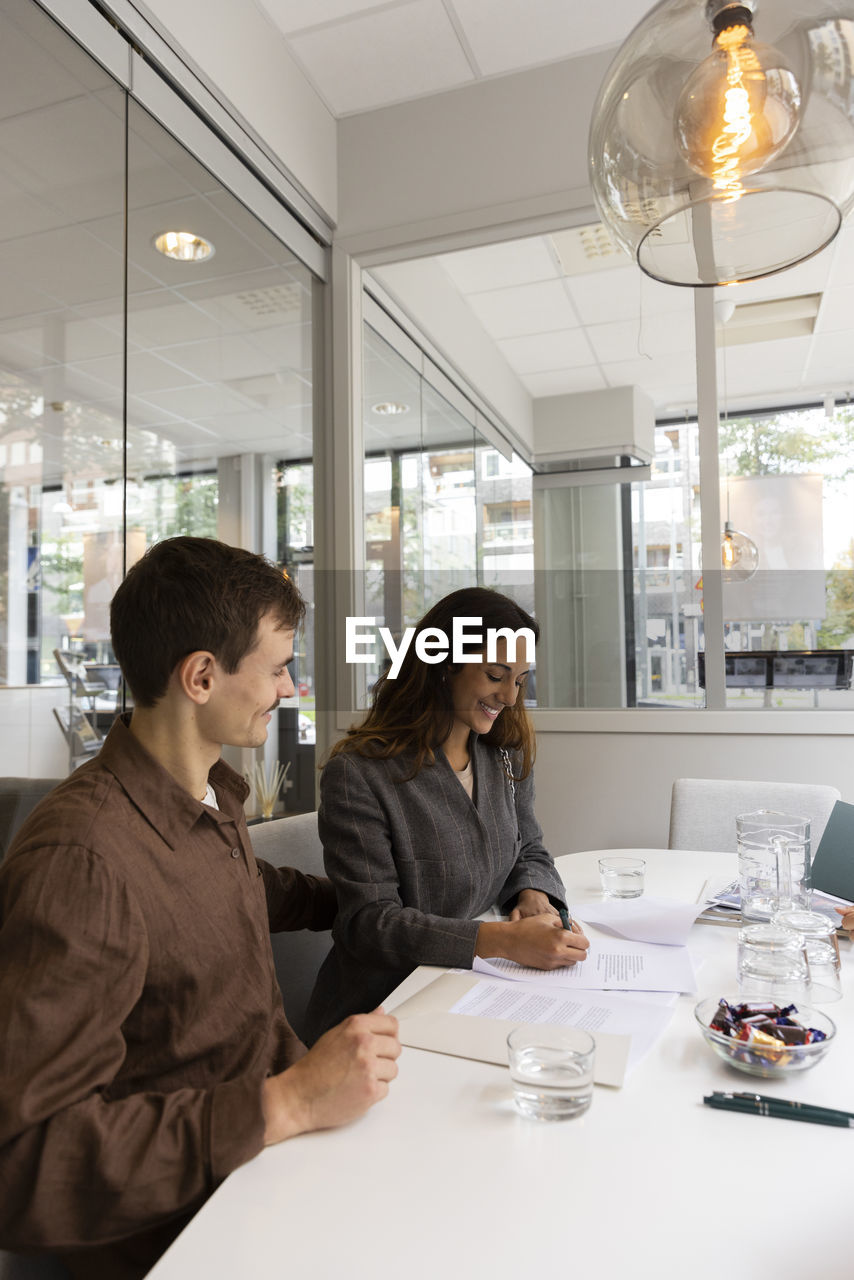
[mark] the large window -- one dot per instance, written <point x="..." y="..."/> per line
<point x="444" y="508"/>
<point x="143" y="393"/>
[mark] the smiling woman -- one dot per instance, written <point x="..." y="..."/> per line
<point x="427" y="821"/>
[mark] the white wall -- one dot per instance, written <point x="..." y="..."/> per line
<point x="31" y="742"/>
<point x="612" y="790"/>
<point x="245" y="56"/>
<point x="485" y="156"/>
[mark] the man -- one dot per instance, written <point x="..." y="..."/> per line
<point x="144" y="1050"/>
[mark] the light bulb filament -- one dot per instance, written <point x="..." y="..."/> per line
<point x="738" y="118"/>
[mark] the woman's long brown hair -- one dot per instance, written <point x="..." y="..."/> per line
<point x="415" y="712"/>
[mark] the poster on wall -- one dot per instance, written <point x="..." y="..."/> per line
<point x="783" y="516"/>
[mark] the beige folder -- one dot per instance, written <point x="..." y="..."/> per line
<point x="425" y="1023"/>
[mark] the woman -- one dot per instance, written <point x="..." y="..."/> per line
<point x="427" y="820"/>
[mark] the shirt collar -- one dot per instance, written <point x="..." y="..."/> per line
<point x="170" y="809"/>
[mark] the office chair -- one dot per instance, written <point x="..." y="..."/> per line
<point x="294" y="842"/>
<point x="703" y="810"/>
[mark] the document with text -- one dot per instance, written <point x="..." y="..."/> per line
<point x="623" y="966"/>
<point x="644" y="1021"/>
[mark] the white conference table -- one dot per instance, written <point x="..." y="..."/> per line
<point x="444" y="1179"/>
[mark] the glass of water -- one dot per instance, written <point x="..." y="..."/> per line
<point x="622" y="877"/>
<point x="552" y="1070"/>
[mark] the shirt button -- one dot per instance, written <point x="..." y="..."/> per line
<point x="235" y="853"/>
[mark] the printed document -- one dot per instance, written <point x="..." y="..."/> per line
<point x="618" y="965"/>
<point x="637" y="1018"/>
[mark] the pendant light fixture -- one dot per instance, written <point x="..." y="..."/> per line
<point x="739" y="554"/>
<point x="722" y="139"/>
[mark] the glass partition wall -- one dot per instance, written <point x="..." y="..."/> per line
<point x="155" y="379"/>
<point x="611" y="564"/>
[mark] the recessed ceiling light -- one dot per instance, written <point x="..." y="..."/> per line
<point x="389" y="408"/>
<point x="183" y="246"/>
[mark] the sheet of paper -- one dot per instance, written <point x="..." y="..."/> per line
<point x="623" y="966"/>
<point x="425" y="1023"/>
<point x="662" y="920"/>
<point x="642" y="1019"/>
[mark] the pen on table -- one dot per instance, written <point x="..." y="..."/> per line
<point x="779" y="1108"/>
<point x="785" y="1102"/>
<point x="565" y="918"/>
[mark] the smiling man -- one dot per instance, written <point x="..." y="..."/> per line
<point x="144" y="1049"/>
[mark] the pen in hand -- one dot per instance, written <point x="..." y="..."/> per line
<point x="566" y="919"/>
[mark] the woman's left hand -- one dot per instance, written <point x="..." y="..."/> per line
<point x="532" y="902"/>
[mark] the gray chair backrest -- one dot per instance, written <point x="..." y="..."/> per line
<point x="18" y="797"/>
<point x="703" y="810"/>
<point x="294" y="842"/>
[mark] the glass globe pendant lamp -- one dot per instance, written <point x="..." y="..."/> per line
<point x="739" y="555"/>
<point x="722" y="139"/>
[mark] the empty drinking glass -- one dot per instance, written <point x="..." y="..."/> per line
<point x="819" y="934"/>
<point x="772" y="964"/>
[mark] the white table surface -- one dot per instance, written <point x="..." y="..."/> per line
<point x="444" y="1179"/>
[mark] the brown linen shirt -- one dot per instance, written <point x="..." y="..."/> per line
<point x="139" y="1008"/>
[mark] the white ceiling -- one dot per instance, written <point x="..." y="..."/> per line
<point x="587" y="323"/>
<point x="610" y="325"/>
<point x="359" y="54"/>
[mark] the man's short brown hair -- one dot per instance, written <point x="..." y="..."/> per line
<point x="187" y="594"/>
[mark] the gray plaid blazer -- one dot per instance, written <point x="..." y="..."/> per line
<point x="413" y="862"/>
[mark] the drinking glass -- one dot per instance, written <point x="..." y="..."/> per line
<point x="622" y="877"/>
<point x="773" y="863"/>
<point x="822" y="948"/>
<point x="772" y="964"/>
<point x="552" y="1070"/>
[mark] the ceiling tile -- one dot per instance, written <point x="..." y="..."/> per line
<point x="499" y="266"/>
<point x="639" y="338"/>
<point x="623" y="294"/>
<point x="386" y="56"/>
<point x="506" y="35"/>
<point x="525" y="309"/>
<point x="755" y="369"/>
<point x="541" y="352"/>
<point x="294" y="15"/>
<point x="843" y="263"/>
<point x="836" y="312"/>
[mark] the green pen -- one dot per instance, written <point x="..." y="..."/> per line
<point x="566" y="919"/>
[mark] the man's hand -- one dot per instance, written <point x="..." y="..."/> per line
<point x="346" y="1072"/>
<point x="540" y="942"/>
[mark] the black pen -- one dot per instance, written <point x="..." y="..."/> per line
<point x="565" y="919"/>
<point x="795" y="1106"/>
<point x="753" y="1106"/>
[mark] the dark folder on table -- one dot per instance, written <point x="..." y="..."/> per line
<point x="833" y="865"/>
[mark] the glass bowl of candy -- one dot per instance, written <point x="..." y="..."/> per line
<point x="765" y="1039"/>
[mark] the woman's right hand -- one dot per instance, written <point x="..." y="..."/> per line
<point x="539" y="942"/>
<point x="847" y="914"/>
